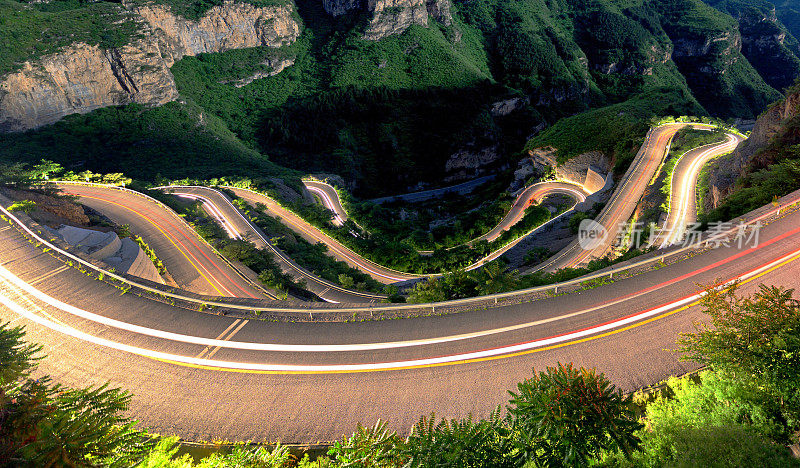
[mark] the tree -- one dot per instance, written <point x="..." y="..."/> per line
<point x="42" y="424"/>
<point x="566" y="416"/>
<point x="45" y="169"/>
<point x="495" y="278"/>
<point x="755" y="336"/>
<point x="14" y="174"/>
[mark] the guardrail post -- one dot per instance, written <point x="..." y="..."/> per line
<point x="556" y="291"/>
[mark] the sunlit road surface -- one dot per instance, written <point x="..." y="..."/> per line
<point x="192" y="263"/>
<point x="314" y="235"/>
<point x="532" y="194"/>
<point x="329" y="198"/>
<point x="683" y="197"/>
<point x="620" y="207"/>
<point x="235" y="222"/>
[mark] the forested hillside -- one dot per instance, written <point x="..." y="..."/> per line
<point x="392" y="104"/>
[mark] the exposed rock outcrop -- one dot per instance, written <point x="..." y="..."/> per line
<point x="750" y="156"/>
<point x="390" y="17"/>
<point x="766" y="43"/>
<point x="85" y="77"/>
<point x="226" y="27"/>
<point x="575" y="170"/>
<point x="471" y="162"/>
<point x="81" y="79"/>
<point x="274" y="67"/>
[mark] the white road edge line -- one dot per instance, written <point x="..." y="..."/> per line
<point x="323" y="348"/>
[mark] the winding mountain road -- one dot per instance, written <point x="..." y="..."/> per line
<point x="204" y="375"/>
<point x="683" y="198"/>
<point x="237" y="223"/>
<point x="193" y="263"/>
<point x="207" y="375"/>
<point x="622" y="204"/>
<point x="314" y="235"/>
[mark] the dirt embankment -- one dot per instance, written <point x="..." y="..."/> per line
<point x="50" y="210"/>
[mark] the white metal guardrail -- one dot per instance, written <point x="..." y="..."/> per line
<point x="782" y="204"/>
<point x="274" y="249"/>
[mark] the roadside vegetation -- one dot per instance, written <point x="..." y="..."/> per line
<point x="25" y="206"/>
<point x="743" y="409"/>
<point x="617" y="130"/>
<point x="148" y="144"/>
<point x="312" y="257"/>
<point x="260" y="261"/>
<point x="162" y="270"/>
<point x="422" y="96"/>
<point x="773" y="172"/>
<point x="685" y="140"/>
<point x="400" y="252"/>
<point x="496" y="278"/>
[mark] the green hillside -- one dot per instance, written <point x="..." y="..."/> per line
<point x="775" y="59"/>
<point x="389" y="114"/>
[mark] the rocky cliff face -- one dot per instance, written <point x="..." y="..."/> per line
<point x="231" y="26"/>
<point x="83" y="77"/>
<point x="715" y="70"/>
<point x="767" y="46"/>
<point x="751" y="155"/>
<point x="392" y="16"/>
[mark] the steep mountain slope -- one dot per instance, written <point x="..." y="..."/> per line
<point x="392" y="95"/>
<point x="766" y="43"/>
<point x="82" y="76"/>
<point x="764" y="166"/>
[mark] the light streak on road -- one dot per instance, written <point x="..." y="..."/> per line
<point x="676" y="224"/>
<point x="216" y="213"/>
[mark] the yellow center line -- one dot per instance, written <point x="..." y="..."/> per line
<point x="482" y="359"/>
<point x="168" y="238"/>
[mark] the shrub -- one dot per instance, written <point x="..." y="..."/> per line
<point x="566" y="416"/>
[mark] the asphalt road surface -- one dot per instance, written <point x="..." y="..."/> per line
<point x="188" y="258"/>
<point x="683" y="196"/>
<point x="535" y="193"/>
<point x="206" y="376"/>
<point x="235" y="222"/>
<point x="329" y="198"/>
<point x="314" y="235"/>
<point x="623" y="202"/>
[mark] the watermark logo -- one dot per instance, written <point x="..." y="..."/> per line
<point x="591" y="234"/>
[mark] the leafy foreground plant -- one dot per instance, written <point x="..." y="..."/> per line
<point x="566" y="416"/>
<point x="43" y="425"/>
<point x="741" y="413"/>
<point x="757" y="337"/>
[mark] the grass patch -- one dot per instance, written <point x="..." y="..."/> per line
<point x="31" y="30"/>
<point x="616" y="130"/>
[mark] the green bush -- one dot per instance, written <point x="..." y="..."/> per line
<point x="566" y="416"/>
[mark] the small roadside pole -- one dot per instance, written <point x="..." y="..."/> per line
<point x="776" y="203"/>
